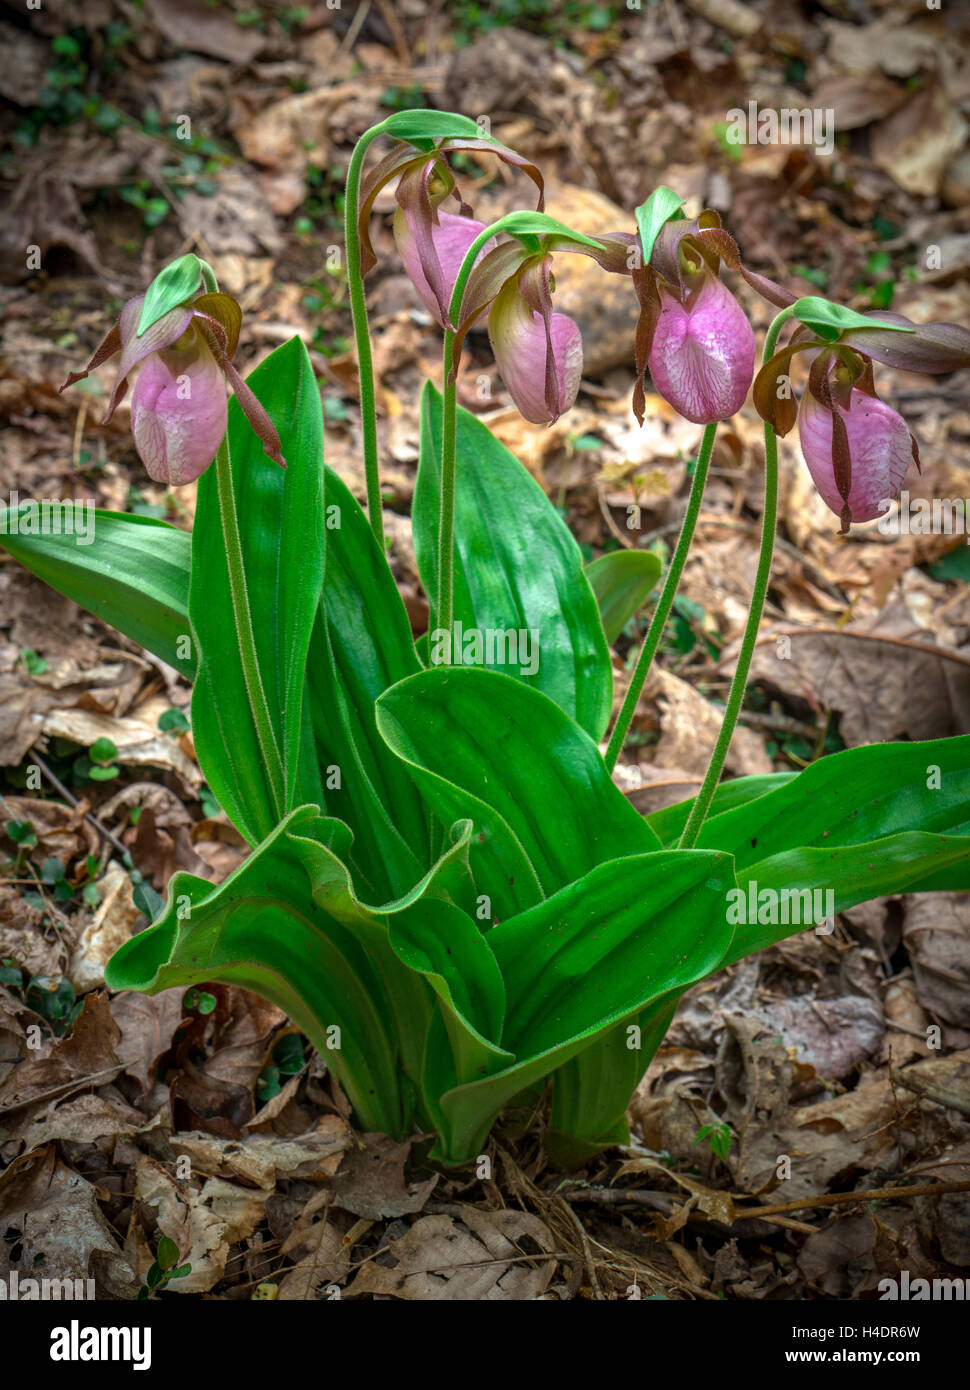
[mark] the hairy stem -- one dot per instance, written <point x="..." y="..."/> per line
<point x="244" y="626"/>
<point x="662" y="612"/>
<point x="358" y="310"/>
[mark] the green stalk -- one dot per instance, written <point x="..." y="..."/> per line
<point x="244" y="626"/>
<point x="732" y="709"/>
<point x="662" y="612"/>
<point x="443" y="621"/>
<point x="446" y="521"/>
<point x="358" y="310"/>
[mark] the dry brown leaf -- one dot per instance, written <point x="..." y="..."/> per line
<point x="146" y="1024"/>
<point x="370" y="1182"/>
<point x="203" y="1223"/>
<point x="936" y="932"/>
<point x="86" y="1057"/>
<point x="441" y="1259"/>
<point x="59" y="1228"/>
<point x="110" y="927"/>
<point x="263" y="1159"/>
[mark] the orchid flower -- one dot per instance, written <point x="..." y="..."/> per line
<point x="693" y="334"/>
<point x="178" y="407"/>
<point x="857" y="448"/>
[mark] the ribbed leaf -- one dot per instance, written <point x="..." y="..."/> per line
<point x="134" y="575"/>
<point x="623" y="939"/>
<point x="621" y="582"/>
<point x="281" y="524"/>
<point x="516" y="566"/>
<point x="486" y="747"/>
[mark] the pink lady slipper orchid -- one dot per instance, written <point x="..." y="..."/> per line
<point x="433" y="244"/>
<point x="178" y="407"/>
<point x="693" y="334"/>
<point x="857" y="448"/>
<point x="539" y="353"/>
<point x="702" y="354"/>
<point x="877" y="443"/>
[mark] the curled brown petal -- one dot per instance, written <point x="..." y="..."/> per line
<point x="254" y="412"/>
<point x="932" y="348"/>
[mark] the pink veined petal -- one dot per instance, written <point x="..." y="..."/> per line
<point x="134" y="350"/>
<point x="179" y="414"/>
<point x="518" y="337"/>
<point x="702" y="355"/>
<point x="451" y="238"/>
<point x="879" y="445"/>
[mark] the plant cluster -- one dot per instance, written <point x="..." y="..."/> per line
<point x="446" y="891"/>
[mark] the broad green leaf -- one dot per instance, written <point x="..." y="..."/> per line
<point x="517" y="570"/>
<point x="669" y="822"/>
<point x="365" y="647"/>
<point x="281" y="524"/>
<point x="591" y="1093"/>
<point x="622" y="582"/>
<point x="289" y="925"/>
<point x="623" y="938"/>
<point x="134" y="575"/>
<point x="171" y="286"/>
<point x="850" y="798"/>
<point x="488" y="748"/>
<point x="266" y="928"/>
<point x="796" y="882"/>
<point x="660" y="207"/>
<point x="828" y="320"/>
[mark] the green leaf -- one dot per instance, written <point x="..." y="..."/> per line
<point x="431" y="125"/>
<point x="289" y="925"/>
<point x="167" y="1253"/>
<point x="134" y="576"/>
<point x="281" y="524"/>
<point x="829" y="320"/>
<point x="887" y="818"/>
<point x="670" y="821"/>
<point x="540" y="822"/>
<point x="531" y="224"/>
<point x="102" y="750"/>
<point x="627" y="936"/>
<point x="171" y="286"/>
<point x="660" y="207"/>
<point x="364" y="648"/>
<point x="622" y="582"/>
<point x="850" y="798"/>
<point x="517" y="568"/>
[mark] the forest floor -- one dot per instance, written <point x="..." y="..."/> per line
<point x="816" y="1049"/>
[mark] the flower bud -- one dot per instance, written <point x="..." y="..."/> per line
<point x="702" y="355"/>
<point x="880" y="449"/>
<point x="539" y="356"/>
<point x="451" y="237"/>
<point x="179" y="411"/>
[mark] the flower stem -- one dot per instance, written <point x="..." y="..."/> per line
<point x="702" y="802"/>
<point x="244" y="627"/>
<point x="358" y="310"/>
<point x="446" y="521"/>
<point x="662" y="612"/>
